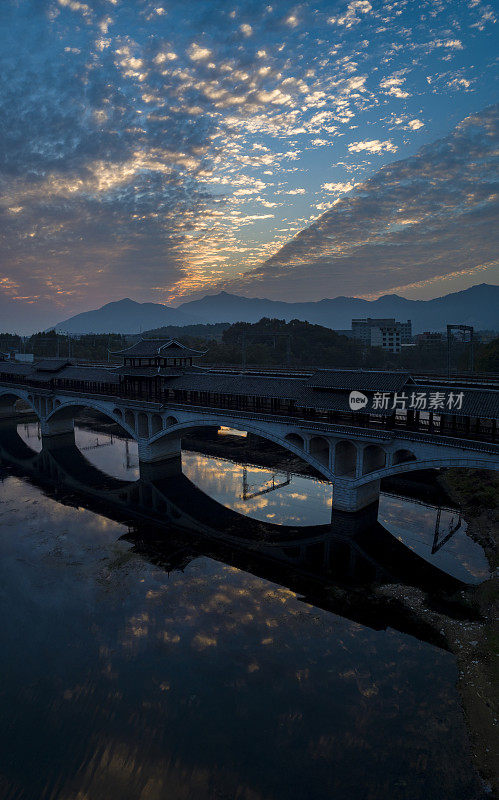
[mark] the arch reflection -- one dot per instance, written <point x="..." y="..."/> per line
<point x="172" y="522"/>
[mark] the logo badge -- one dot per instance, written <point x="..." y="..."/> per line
<point x="357" y="401"/>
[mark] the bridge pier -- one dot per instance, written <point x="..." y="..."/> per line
<point x="167" y="447"/>
<point x="347" y="497"/>
<point x="158" y="470"/>
<point x="348" y="523"/>
<point x="56" y="426"/>
<point x="57" y="441"/>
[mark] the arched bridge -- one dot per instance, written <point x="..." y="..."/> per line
<point x="354" y="459"/>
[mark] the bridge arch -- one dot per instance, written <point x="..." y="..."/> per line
<point x="291" y="441"/>
<point x="143" y="425"/>
<point x="373" y="458"/>
<point x="130" y="419"/>
<point x="476" y="462"/>
<point x="9" y="397"/>
<point x="345" y="459"/>
<point x="156" y="423"/>
<point x="67" y="410"/>
<point x="403" y="456"/>
<point x="296" y="440"/>
<point x="319" y="448"/>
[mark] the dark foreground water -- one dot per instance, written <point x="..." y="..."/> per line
<point x="121" y="681"/>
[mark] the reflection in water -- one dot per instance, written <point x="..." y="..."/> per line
<point x="143" y="663"/>
<point x="308" y="501"/>
<point x="121" y="681"/>
<point x="301" y="501"/>
<point x="30" y="433"/>
<point x="114" y="455"/>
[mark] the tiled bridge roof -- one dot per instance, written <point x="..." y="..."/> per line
<point x="327" y="390"/>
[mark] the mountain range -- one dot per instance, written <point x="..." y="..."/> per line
<point x="124" y="316"/>
<point x="477" y="306"/>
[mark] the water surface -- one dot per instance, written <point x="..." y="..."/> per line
<point x="123" y="681"/>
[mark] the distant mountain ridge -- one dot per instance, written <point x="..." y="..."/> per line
<point x="124" y="316"/>
<point x="477" y="306"/>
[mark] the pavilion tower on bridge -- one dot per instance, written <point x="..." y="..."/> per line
<point x="147" y="361"/>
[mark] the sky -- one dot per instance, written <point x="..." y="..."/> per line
<point x="166" y="150"/>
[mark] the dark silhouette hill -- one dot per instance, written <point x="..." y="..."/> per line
<point x="477" y="306"/>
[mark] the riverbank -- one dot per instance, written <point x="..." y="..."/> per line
<point x="468" y="620"/>
<point x="477" y="646"/>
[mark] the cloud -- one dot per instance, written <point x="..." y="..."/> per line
<point x="198" y="53"/>
<point x="450" y="44"/>
<point x="338" y="188"/>
<point x="138" y="149"/>
<point x="373" y="146"/>
<point x="351" y="16"/>
<point x="392" y="86"/>
<point x="459" y="83"/>
<point x="413" y="221"/>
<point x="74" y="5"/>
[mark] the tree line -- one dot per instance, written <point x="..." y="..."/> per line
<point x="269" y="343"/>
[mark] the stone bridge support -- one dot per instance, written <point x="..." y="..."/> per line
<point x="164" y="449"/>
<point x="57" y="426"/>
<point x="350" y="497"/>
<point x="58" y="440"/>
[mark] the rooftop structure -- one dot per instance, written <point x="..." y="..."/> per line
<point x="158" y="353"/>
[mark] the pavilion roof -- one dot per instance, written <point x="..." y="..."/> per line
<point x="149" y="348"/>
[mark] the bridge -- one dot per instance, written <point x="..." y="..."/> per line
<point x="353" y="427"/>
<point x="326" y="564"/>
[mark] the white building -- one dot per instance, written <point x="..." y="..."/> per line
<point x="388" y="337"/>
<point x="385" y="333"/>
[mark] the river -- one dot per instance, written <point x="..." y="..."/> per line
<point x="170" y="672"/>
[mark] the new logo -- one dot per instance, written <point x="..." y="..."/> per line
<point x="357" y="401"/>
